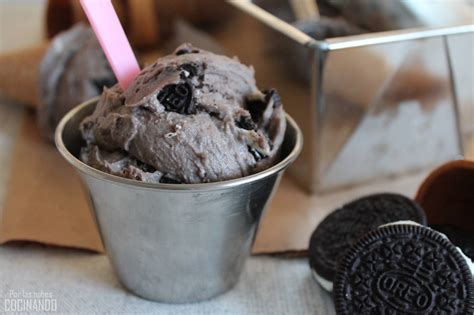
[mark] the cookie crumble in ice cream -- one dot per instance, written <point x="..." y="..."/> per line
<point x="191" y="117"/>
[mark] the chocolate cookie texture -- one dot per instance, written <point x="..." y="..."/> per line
<point x="73" y="71"/>
<point x="342" y="228"/>
<point x="403" y="269"/>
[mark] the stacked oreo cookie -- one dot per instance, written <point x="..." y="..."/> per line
<point x="377" y="257"/>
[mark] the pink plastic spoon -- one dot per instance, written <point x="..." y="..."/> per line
<point x="112" y="38"/>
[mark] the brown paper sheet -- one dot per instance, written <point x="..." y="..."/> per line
<point x="45" y="201"/>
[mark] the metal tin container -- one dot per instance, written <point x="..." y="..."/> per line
<point x="176" y="243"/>
<point x="371" y="106"/>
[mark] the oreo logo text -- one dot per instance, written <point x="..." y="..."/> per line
<point x="403" y="292"/>
<point x="177" y="98"/>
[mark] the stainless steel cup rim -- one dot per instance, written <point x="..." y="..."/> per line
<point x="84" y="168"/>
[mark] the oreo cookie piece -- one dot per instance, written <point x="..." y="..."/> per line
<point x="342" y="228"/>
<point x="404" y="269"/>
<point x="177" y="98"/>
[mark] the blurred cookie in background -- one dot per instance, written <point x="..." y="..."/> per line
<point x="447" y="196"/>
<point x="56" y="76"/>
<point x="73" y="70"/>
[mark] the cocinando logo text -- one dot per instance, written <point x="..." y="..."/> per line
<point x="23" y="302"/>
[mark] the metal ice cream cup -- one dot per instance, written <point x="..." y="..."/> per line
<point x="176" y="243"/>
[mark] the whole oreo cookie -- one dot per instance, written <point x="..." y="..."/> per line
<point x="403" y="269"/>
<point x="342" y="228"/>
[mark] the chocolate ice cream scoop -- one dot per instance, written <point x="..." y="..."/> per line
<point x="191" y="117"/>
<point x="73" y="70"/>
